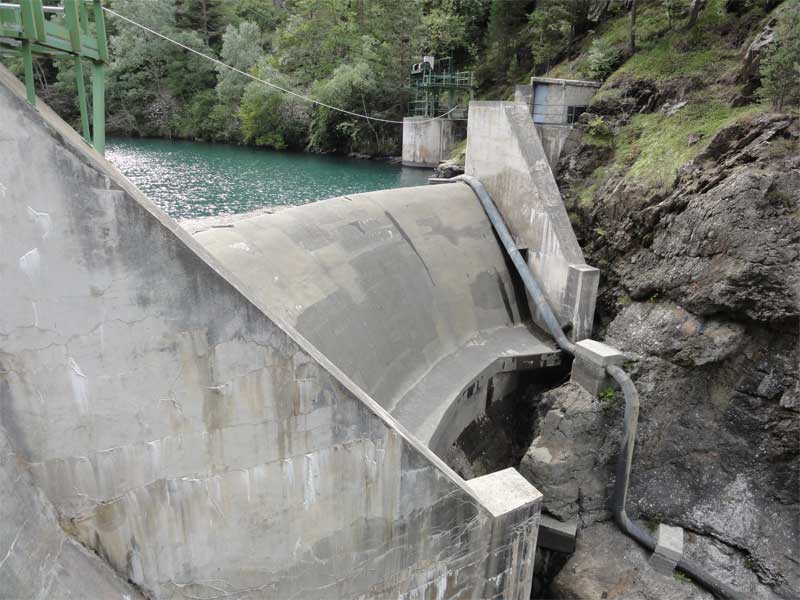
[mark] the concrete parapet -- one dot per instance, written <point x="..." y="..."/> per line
<point x="504" y="151"/>
<point x="523" y="94"/>
<point x="516" y="507"/>
<point x="589" y="367"/>
<point x="669" y="549"/>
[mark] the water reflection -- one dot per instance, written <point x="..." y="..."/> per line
<point x="190" y="179"/>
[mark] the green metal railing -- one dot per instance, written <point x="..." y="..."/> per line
<point x="436" y="92"/>
<point x="76" y="29"/>
<point x="459" y="79"/>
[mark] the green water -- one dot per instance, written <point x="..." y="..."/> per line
<point x="191" y="179"/>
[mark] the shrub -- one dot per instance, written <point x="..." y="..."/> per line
<point x="780" y="69"/>
<point x="604" y="58"/>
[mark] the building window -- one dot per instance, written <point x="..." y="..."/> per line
<point x="573" y="112"/>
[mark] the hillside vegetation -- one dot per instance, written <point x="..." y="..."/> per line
<point x="356" y="54"/>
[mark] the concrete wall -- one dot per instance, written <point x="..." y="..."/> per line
<point x="426" y="143"/>
<point x="504" y="151"/>
<point x="556" y="141"/>
<point x="407" y="291"/>
<point x="523" y="94"/>
<point x="192" y="438"/>
<point x="37" y="559"/>
<point x="551" y="98"/>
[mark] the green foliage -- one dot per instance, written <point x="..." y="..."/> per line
<point x="663" y="61"/>
<point x="780" y="69"/>
<point x="608" y="399"/>
<point x="202" y="16"/>
<point x="675" y="10"/>
<point x="269" y="117"/>
<point x="654" y="146"/>
<point x="506" y="39"/>
<point x="356" y="54"/>
<point x="459" y="153"/>
<point x="550" y="32"/>
<point x="241" y="48"/>
<point x="681" y="578"/>
<point x="603" y="59"/>
<point x="353" y="87"/>
<point x="149" y="79"/>
<point x="598" y="132"/>
<point x="445" y="31"/>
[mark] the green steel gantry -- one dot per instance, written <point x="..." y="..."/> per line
<point x="29" y="29"/>
<point x="437" y="89"/>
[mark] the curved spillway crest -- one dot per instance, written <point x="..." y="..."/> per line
<point x="407" y="291"/>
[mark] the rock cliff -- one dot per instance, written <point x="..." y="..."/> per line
<point x="700" y="290"/>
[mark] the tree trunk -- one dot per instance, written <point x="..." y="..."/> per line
<point x="632" y="36"/>
<point x="697" y="6"/>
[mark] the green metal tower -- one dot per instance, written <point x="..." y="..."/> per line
<point x="436" y="89"/>
<point x="76" y="29"/>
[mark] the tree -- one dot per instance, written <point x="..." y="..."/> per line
<point x="202" y="16"/>
<point x="673" y="8"/>
<point x="505" y="37"/>
<point x="550" y="30"/>
<point x="270" y="117"/>
<point x="241" y="48"/>
<point x="632" y="33"/>
<point x="780" y="69"/>
<point x="150" y="80"/>
<point x="694" y="12"/>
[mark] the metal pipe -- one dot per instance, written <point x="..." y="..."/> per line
<point x="625" y="459"/>
<point x="543" y="308"/>
<point x="623" y="472"/>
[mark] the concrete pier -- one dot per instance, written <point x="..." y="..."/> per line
<point x="427" y="142"/>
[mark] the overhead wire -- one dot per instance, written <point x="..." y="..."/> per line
<point x="264" y="81"/>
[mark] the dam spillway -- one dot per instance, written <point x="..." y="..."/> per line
<point x="256" y="412"/>
<point x="407" y="291"/>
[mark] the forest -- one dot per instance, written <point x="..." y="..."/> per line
<point x="356" y="54"/>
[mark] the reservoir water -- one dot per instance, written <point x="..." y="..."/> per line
<point x="192" y="179"/>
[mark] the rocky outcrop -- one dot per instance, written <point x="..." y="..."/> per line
<point x="611" y="566"/>
<point x="727" y="240"/>
<point x="570" y="457"/>
<point x="716" y="449"/>
<point x="700" y="290"/>
<point x="449" y="168"/>
<point x="723" y="240"/>
<point x="669" y="331"/>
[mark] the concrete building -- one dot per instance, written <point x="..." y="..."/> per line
<point x="555" y="105"/>
<point x="257" y="411"/>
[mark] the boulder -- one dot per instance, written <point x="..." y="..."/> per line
<point x="669" y="331"/>
<point x="609" y="565"/>
<point x="570" y="458"/>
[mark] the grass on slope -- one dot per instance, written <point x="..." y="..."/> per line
<point x="652" y="147"/>
<point x="663" y="53"/>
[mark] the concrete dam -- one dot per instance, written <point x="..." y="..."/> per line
<point x="260" y="410"/>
